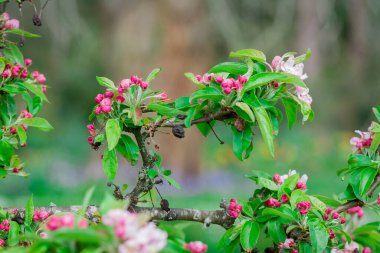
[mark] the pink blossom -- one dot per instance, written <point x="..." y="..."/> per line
<point x="120" y="99"/>
<point x="351" y="247"/>
<point x="5" y="16"/>
<point x="196" y="247"/>
<point x="54" y="223"/>
<point x="163" y="96"/>
<point x="35" y="74"/>
<point x="108" y="94"/>
<point x="289" y="243"/>
<point x="98" y="110"/>
<point x="44" y="235"/>
<point x="106" y="105"/>
<point x="290" y="67"/>
<point x="242" y="79"/>
<point x="125" y="84"/>
<point x="12" y="24"/>
<point x="68" y="220"/>
<point x="2" y="242"/>
<point x="136" y="80"/>
<point x="6" y="223"/>
<point x="234" y="208"/>
<point x="26" y="114"/>
<point x="83" y="223"/>
<point x="28" y="62"/>
<point x="24" y="74"/>
<point x="366" y="250"/>
<point x="284" y="198"/>
<point x="6" y="73"/>
<point x="99" y="98"/>
<point x="303" y="207"/>
<point x="144" y="85"/>
<point x="277" y="179"/>
<point x="335" y="215"/>
<point x="276" y="63"/>
<point x="41" y="79"/>
<point x="219" y="79"/>
<point x="303" y="94"/>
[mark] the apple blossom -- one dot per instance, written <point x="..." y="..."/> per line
<point x="289" y="243"/>
<point x="196" y="247"/>
<point x="68" y="220"/>
<point x="54" y="223"/>
<point x="303" y="94"/>
<point x="2" y="242"/>
<point x="12" y="24"/>
<point x="366" y="250"/>
<point x="108" y="94"/>
<point x="290" y="67"/>
<point x="276" y="62"/>
<point x="28" y="62"/>
<point x="234" y="208"/>
<point x="303" y="207"/>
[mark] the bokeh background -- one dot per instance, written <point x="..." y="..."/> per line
<point x="117" y="38"/>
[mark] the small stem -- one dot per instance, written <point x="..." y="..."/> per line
<point x="212" y="129"/>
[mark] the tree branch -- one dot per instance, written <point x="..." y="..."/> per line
<point x="211" y="117"/>
<point x="374" y="186"/>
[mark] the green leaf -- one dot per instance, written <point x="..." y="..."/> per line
<point x="209" y="92"/>
<point x="6" y="153"/>
<point x="247" y="110"/>
<point x="87" y="235"/>
<point x="29" y="211"/>
<point x="172" y="181"/>
<point x="276" y="231"/>
<point x="250" y="53"/>
<point x="266" y="183"/>
<point x="190" y="115"/>
<point x="361" y="180"/>
<point x="235" y="68"/>
<point x="288" y="185"/>
<point x="241" y="141"/>
<point x="317" y="203"/>
<point x="264" y="78"/>
<point x="113" y="133"/>
<point x="249" y="235"/>
<point x="359" y="160"/>
<point x="291" y="110"/>
<point x="13" y="235"/>
<point x="376" y="111"/>
<point x="192" y="78"/>
<point x="129" y="149"/>
<point x="328" y="201"/>
<point x="36" y="89"/>
<point x="375" y="144"/>
<point x="263" y="120"/>
<point x="152" y="173"/>
<point x="303" y="58"/>
<point x="110" y="163"/>
<point x="304" y="247"/>
<point x="13" y="53"/>
<point x="318" y="235"/>
<point x="229" y="236"/>
<point x="37" y="122"/>
<point x="277" y="213"/>
<point x="21" y="134"/>
<point x="22" y="33"/>
<point x="152" y="75"/>
<point x="164" y="110"/>
<point x="86" y="201"/>
<point x="104" y="81"/>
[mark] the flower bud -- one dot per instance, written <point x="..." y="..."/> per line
<point x="284" y="198"/>
<point x="277" y="179"/>
<point x="108" y="94"/>
<point x="335" y="215"/>
<point x="6" y="73"/>
<point x="24" y="74"/>
<point x="242" y="79"/>
<point x="41" y="79"/>
<point x="35" y="74"/>
<point x="342" y="221"/>
<point x="366" y="250"/>
<point x="28" y="62"/>
<point x="98" y="110"/>
<point x="219" y="79"/>
<point x="144" y="85"/>
<point x="12" y="24"/>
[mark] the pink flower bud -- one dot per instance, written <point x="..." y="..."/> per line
<point x="378" y="199"/>
<point x="277" y="204"/>
<point x="219" y="79"/>
<point x="15" y="71"/>
<point x="43" y="214"/>
<point x="198" y="77"/>
<point x="54" y="223"/>
<point x="242" y="79"/>
<point x="284" y="198"/>
<point x="41" y="79"/>
<point x="163" y="96"/>
<point x="276" y="62"/>
<point x="125" y="84"/>
<point x="25" y="127"/>
<point x="13" y="130"/>
<point x="342" y="221"/>
<point x="83" y="223"/>
<point x="44" y="89"/>
<point x="294" y="251"/>
<point x="6" y="223"/>
<point x="335" y="215"/>
<point x="277" y="179"/>
<point x="98" y="110"/>
<point x="270" y="202"/>
<point x="135" y="79"/>
<point x="108" y="94"/>
<point x="35" y="217"/>
<point x="16" y="170"/>
<point x="35" y="74"/>
<point x="105" y="102"/>
<point x="68" y="220"/>
<point x="360" y="213"/>
<point x="275" y="84"/>
<point x="120" y="99"/>
<point x="2" y="242"/>
<point x="99" y="98"/>
<point x="119" y="231"/>
<point x="44" y="235"/>
<point x="196" y="247"/>
<point x="26" y="114"/>
<point x="24" y="74"/>
<point x="325" y="216"/>
<point x="28" y="62"/>
<point x="12" y="24"/>
<point x="90" y="140"/>
<point x="144" y="85"/>
<point x="301" y="185"/>
<point x="366" y="250"/>
<point x="6" y="73"/>
<point x="227" y="90"/>
<point x="328" y="210"/>
<point x="5" y="16"/>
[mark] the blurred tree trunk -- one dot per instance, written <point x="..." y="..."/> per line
<point x="168" y="34"/>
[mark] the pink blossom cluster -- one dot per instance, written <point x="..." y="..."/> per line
<point x="134" y="234"/>
<point x="196" y="247"/>
<point x="271" y="202"/>
<point x="288" y="244"/>
<point x="40" y="215"/>
<point x="303" y="207"/>
<point x="301" y="184"/>
<point x="104" y="101"/>
<point x="2" y="242"/>
<point x="362" y="142"/>
<point x="352" y="247"/>
<point x="92" y="131"/>
<point x="4" y="225"/>
<point x="357" y="209"/>
<point x="279" y="65"/>
<point x="18" y="71"/>
<point x="133" y="80"/>
<point x="234" y="208"/>
<point x="56" y="222"/>
<point x="334" y="215"/>
<point x="229" y="84"/>
<point x="9" y="23"/>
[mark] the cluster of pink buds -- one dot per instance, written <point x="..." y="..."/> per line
<point x="133" y="80"/>
<point x="196" y="247"/>
<point x="25" y="114"/>
<point x="104" y="101"/>
<point x="2" y="242"/>
<point x="40" y="215"/>
<point x="234" y="208"/>
<point x="4" y="225"/>
<point x="66" y="221"/>
<point x="229" y="84"/>
<point x="363" y="142"/>
<point x="271" y="202"/>
<point x="205" y="79"/>
<point x="13" y="129"/>
<point x="9" y="23"/>
<point x="357" y="209"/>
<point x="288" y="244"/>
<point x="303" y="207"/>
<point x="92" y="130"/>
<point x="334" y="215"/>
<point x="301" y="184"/>
<point x="332" y="235"/>
<point x="40" y="78"/>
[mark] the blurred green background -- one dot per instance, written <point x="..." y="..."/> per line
<point x="117" y="38"/>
